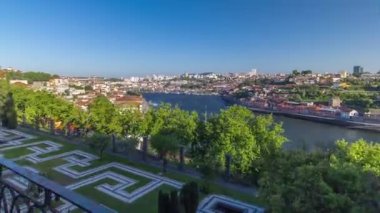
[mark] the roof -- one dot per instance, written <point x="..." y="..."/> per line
<point x="128" y="101"/>
<point x="346" y="109"/>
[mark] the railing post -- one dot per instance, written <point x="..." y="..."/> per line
<point x="164" y="165"/>
<point x="113" y="143"/>
<point x="228" y="166"/>
<point x="68" y="129"/>
<point x="145" y="148"/>
<point x="52" y="126"/>
<point x="23" y="119"/>
<point x="36" y="123"/>
<point x="47" y="200"/>
<point x="181" y="157"/>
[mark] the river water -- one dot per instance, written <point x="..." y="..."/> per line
<point x="300" y="133"/>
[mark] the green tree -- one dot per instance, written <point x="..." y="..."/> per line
<point x="30" y="76"/>
<point x="306" y="72"/>
<point x="173" y="120"/>
<point x="9" y="117"/>
<point x="42" y="106"/>
<point x="130" y="123"/>
<point x="88" y="88"/>
<point x="295" y="73"/>
<point x="237" y="132"/>
<point x="164" y="144"/>
<point x="99" y="143"/>
<point x="102" y="115"/>
<point x="170" y="127"/>
<point x="298" y="181"/>
<point x="361" y="153"/>
<point x="3" y="93"/>
<point x="36" y="76"/>
<point x="296" y="98"/>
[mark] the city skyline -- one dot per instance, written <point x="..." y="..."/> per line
<point x="153" y="75"/>
<point x="119" y="38"/>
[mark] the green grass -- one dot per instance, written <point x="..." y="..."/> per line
<point x="147" y="203"/>
<point x="14" y="154"/>
<point x="22" y="151"/>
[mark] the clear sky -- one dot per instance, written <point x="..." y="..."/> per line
<point x="138" y="37"/>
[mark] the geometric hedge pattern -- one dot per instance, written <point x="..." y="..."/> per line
<point x="78" y="166"/>
<point x="109" y="178"/>
<point x="214" y="203"/>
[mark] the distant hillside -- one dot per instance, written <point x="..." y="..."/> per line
<point x="29" y="76"/>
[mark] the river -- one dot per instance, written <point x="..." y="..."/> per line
<point x="300" y="133"/>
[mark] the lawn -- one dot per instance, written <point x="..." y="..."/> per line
<point x="147" y="203"/>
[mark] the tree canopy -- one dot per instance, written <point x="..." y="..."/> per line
<point x="240" y="134"/>
<point x="42" y="105"/>
<point x="102" y="115"/>
<point x="170" y="127"/>
<point x="30" y="76"/>
<point x="344" y="180"/>
<point x="365" y="155"/>
<point x="8" y="113"/>
<point x="167" y="119"/>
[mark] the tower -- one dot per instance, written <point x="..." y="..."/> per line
<point x="358" y="71"/>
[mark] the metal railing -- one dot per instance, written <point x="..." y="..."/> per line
<point x="22" y="190"/>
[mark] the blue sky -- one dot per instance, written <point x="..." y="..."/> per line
<point x="138" y="37"/>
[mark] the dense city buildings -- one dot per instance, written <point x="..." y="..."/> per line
<point x="300" y="92"/>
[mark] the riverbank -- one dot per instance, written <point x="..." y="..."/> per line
<point x="300" y="132"/>
<point x="182" y="93"/>
<point x="328" y="120"/>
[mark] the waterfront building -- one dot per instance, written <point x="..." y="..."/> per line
<point x="128" y="102"/>
<point x="335" y="102"/>
<point x="348" y="113"/>
<point x="372" y="113"/>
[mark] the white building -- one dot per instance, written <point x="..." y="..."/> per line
<point x="11" y="69"/>
<point x="252" y="73"/>
<point x="60" y="89"/>
<point x="208" y="75"/>
<point x="60" y="81"/>
<point x="74" y="91"/>
<point x="343" y="74"/>
<point x="18" y="81"/>
<point x="335" y="79"/>
<point x="134" y="79"/>
<point x="349" y="113"/>
<point x="370" y="76"/>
